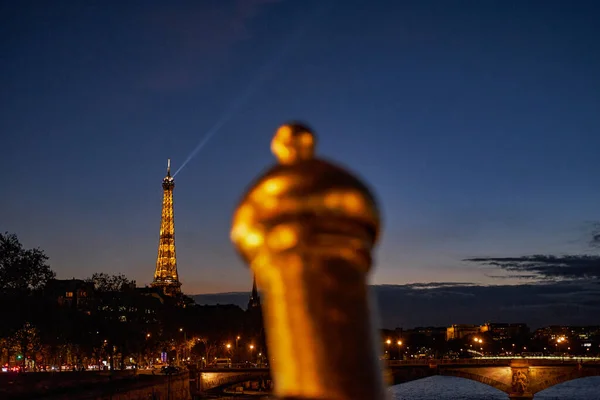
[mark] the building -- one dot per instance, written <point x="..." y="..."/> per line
<point x="551" y="333"/>
<point x="429" y="333"/>
<point x="132" y="305"/>
<point x="165" y="274"/>
<point x="503" y="331"/>
<point x="585" y="332"/>
<point x="74" y="293"/>
<point x="497" y="331"/>
<point x="460" y="331"/>
<point x="554" y="332"/>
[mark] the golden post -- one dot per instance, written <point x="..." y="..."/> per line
<point x="307" y="228"/>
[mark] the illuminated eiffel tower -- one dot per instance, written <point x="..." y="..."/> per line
<point x="165" y="276"/>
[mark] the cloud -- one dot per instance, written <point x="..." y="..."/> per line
<point x="511" y="276"/>
<point x="595" y="240"/>
<point x="546" y="267"/>
<point x="430" y="285"/>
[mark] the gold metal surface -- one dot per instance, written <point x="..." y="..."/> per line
<point x="307" y="228"/>
<point x="165" y="275"/>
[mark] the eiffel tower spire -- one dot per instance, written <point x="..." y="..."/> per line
<point x="165" y="275"/>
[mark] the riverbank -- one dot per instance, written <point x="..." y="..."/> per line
<point x="240" y="396"/>
<point x="248" y="394"/>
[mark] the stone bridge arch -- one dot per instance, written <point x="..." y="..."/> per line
<point x="496" y="377"/>
<point x="522" y="380"/>
<point x="217" y="380"/>
<point x="543" y="378"/>
<point x="518" y="378"/>
<point x="403" y="374"/>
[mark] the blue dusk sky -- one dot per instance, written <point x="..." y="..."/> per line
<point x="477" y="124"/>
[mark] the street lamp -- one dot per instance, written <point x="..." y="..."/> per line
<point x="184" y="342"/>
<point x="235" y="354"/>
<point x="399" y="343"/>
<point x="228" y="347"/>
<point x="251" y="348"/>
<point x="388" y="342"/>
<point x="560" y="340"/>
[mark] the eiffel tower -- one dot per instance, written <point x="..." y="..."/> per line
<point x="165" y="275"/>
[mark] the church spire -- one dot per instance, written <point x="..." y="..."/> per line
<point x="254" y="290"/>
<point x="254" y="297"/>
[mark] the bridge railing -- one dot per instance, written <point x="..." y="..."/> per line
<point x="487" y="361"/>
<point x="445" y="361"/>
<point x="233" y="370"/>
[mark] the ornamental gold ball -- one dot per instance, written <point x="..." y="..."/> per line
<point x="304" y="201"/>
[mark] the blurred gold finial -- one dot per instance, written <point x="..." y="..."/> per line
<point x="307" y="228"/>
<point x="298" y="189"/>
<point x="293" y="143"/>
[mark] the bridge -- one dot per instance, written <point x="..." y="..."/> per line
<point x="218" y="379"/>
<point x="519" y="378"/>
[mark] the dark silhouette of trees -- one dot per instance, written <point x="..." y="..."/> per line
<point x="23" y="275"/>
<point x="104" y="282"/>
<point x="207" y="348"/>
<point x="103" y="318"/>
<point x="22" y="271"/>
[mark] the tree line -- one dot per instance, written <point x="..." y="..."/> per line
<point x="106" y="322"/>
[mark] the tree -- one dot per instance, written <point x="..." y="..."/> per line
<point x="210" y="348"/>
<point x="104" y="282"/>
<point x="26" y="342"/>
<point x="22" y="271"/>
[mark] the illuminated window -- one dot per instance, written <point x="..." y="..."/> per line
<point x="69" y="294"/>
